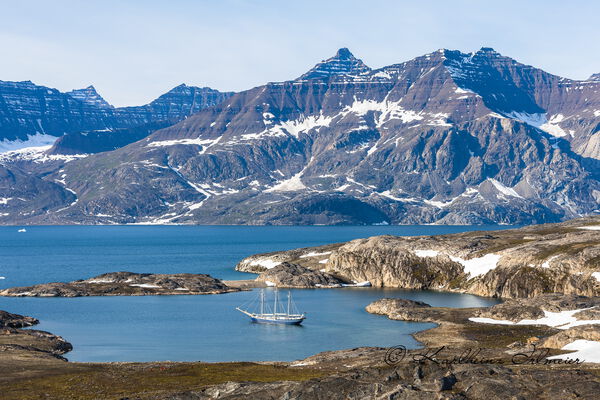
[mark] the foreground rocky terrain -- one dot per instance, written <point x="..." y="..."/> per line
<point x="516" y="263"/>
<point x="126" y="284"/>
<point x="447" y="138"/>
<point x="461" y="359"/>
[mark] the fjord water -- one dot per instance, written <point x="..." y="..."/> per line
<point x="189" y="328"/>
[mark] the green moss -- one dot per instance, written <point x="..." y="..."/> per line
<point x="503" y="245"/>
<point x="593" y="262"/>
<point x="569" y="249"/>
<point x="500" y="336"/>
<point x="109" y="381"/>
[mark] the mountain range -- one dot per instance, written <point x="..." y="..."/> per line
<point x="448" y="138"/>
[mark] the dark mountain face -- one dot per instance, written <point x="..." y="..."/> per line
<point x="89" y="96"/>
<point x="343" y="63"/>
<point x="444" y="138"/>
<point x="27" y="110"/>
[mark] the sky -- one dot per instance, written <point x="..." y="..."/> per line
<point x="132" y="51"/>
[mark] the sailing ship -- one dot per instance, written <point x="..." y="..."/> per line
<point x="286" y="316"/>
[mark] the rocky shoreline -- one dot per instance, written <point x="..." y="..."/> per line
<point x="516" y="263"/>
<point x="126" y="284"/>
<point x="461" y="359"/>
<point x="536" y="344"/>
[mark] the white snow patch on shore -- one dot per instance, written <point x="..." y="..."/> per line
<point x="324" y="261"/>
<point x="289" y="185"/>
<point x="591" y="228"/>
<point x="145" y="285"/>
<point x="265" y="262"/>
<point x="427" y="253"/>
<point x="313" y="254"/>
<point x="100" y="281"/>
<point x="546" y="263"/>
<point x="585" y="350"/>
<point x="483" y="320"/>
<point x="596" y="275"/>
<point x="478" y="266"/>
<point x="560" y="320"/>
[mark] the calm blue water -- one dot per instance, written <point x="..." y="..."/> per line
<point x="189" y="328"/>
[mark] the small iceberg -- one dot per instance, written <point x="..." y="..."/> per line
<point x="2" y="277"/>
<point x="357" y="284"/>
<point x="22" y="230"/>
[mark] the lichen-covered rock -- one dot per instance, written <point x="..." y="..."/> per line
<point x="562" y="338"/>
<point x="517" y="263"/>
<point x="294" y="275"/>
<point x="533" y="308"/>
<point x="126" y="284"/>
<point x="9" y="320"/>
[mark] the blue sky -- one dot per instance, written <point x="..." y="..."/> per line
<point x="134" y="50"/>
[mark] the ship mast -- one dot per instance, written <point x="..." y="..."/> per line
<point x="262" y="302"/>
<point x="276" y="300"/>
<point x="289" y="301"/>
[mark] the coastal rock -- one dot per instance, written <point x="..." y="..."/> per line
<point x="294" y="275"/>
<point x="8" y="320"/>
<point x="457" y="382"/>
<point x="126" y="284"/>
<point x="17" y="343"/>
<point x="313" y="257"/>
<point x="516" y="263"/>
<point x="562" y="338"/>
<point x="533" y="308"/>
<point x="410" y="310"/>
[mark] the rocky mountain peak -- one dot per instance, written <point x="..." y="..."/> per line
<point x="344" y="54"/>
<point x="89" y="95"/>
<point x="487" y="50"/>
<point x="594" y="77"/>
<point x="342" y="63"/>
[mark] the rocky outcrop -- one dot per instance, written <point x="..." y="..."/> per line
<point x="418" y="382"/>
<point x="294" y="275"/>
<point x="512" y="327"/>
<point x="519" y="263"/>
<point x="8" y="320"/>
<point x="563" y="338"/>
<point x="17" y="343"/>
<point x="126" y="284"/>
<point x="533" y="308"/>
<point x="313" y="258"/>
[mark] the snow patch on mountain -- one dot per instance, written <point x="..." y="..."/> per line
<point x="303" y="124"/>
<point x="504" y="189"/>
<point x="540" y="121"/>
<point x="289" y="185"/>
<point x="37" y="154"/>
<point x="174" y="142"/>
<point x="37" y="140"/>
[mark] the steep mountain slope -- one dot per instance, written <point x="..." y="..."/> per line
<point x="444" y="138"/>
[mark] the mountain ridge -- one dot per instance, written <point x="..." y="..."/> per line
<point x="429" y="140"/>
